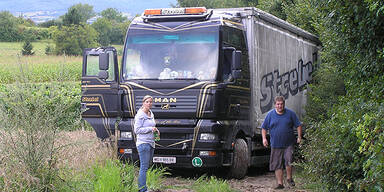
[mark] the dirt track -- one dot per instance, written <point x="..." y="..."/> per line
<point x="257" y="180"/>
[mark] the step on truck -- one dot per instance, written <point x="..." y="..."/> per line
<point x="213" y="74"/>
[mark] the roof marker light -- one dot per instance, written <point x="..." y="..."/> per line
<point x="176" y="11"/>
<point x="195" y="10"/>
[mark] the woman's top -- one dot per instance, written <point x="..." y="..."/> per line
<point x="143" y="128"/>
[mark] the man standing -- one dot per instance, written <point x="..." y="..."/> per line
<point x="280" y="122"/>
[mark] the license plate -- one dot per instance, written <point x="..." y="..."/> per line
<point x="165" y="160"/>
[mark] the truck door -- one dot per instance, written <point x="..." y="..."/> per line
<point x="99" y="86"/>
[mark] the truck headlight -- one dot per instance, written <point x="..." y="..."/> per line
<point x="126" y="135"/>
<point x="207" y="136"/>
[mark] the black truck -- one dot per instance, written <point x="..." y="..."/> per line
<point x="213" y="75"/>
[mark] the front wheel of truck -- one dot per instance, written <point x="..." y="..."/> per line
<point x="240" y="161"/>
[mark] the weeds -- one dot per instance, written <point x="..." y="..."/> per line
<point x="212" y="184"/>
<point x="155" y="177"/>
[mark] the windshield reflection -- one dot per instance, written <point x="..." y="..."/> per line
<point x="189" y="54"/>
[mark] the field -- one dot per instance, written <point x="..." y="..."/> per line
<point x="38" y="67"/>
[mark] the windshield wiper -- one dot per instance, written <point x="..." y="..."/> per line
<point x="185" y="79"/>
<point x="146" y="79"/>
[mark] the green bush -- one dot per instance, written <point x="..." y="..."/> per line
<point x="31" y="116"/>
<point x="35" y="33"/>
<point x="27" y="48"/>
<point x="63" y="96"/>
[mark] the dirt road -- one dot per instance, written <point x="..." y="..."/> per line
<point x="256" y="181"/>
<point x="85" y="146"/>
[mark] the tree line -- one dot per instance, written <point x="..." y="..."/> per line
<point x="70" y="32"/>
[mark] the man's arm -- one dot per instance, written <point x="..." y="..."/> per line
<point x="264" y="135"/>
<point x="299" y="133"/>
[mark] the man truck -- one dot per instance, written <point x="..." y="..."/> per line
<point x="213" y="74"/>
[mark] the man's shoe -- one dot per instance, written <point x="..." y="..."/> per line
<point x="280" y="186"/>
<point x="291" y="182"/>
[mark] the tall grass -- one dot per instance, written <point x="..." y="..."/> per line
<point x="41" y="68"/>
<point x="211" y="184"/>
<point x="114" y="176"/>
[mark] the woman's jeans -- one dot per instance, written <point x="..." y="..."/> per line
<point x="145" y="154"/>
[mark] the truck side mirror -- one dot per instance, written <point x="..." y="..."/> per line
<point x="236" y="60"/>
<point x="103" y="74"/>
<point x="236" y="74"/>
<point x="236" y="64"/>
<point x="104" y="61"/>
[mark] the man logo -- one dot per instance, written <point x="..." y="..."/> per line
<point x="165" y="106"/>
<point x="165" y="100"/>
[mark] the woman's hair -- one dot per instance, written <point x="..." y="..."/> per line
<point x="147" y="97"/>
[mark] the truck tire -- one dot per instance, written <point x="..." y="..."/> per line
<point x="240" y="161"/>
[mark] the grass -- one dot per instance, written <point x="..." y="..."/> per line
<point x="211" y="184"/>
<point x="40" y="67"/>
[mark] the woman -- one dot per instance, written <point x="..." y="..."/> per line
<point x="145" y="143"/>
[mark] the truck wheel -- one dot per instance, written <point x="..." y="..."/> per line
<point x="240" y="161"/>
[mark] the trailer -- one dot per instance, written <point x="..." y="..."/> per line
<point x="213" y="74"/>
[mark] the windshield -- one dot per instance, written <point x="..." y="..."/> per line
<point x="186" y="54"/>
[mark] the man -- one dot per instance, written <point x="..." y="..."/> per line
<point x="280" y="123"/>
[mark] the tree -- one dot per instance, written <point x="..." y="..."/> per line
<point x="215" y="3"/>
<point x="112" y="27"/>
<point x="77" y="14"/>
<point x="104" y="27"/>
<point x="72" y="17"/>
<point x="9" y="27"/>
<point x="71" y="40"/>
<point x="118" y="32"/>
<point x="52" y="22"/>
<point x="113" y="14"/>
<point x="27" y="48"/>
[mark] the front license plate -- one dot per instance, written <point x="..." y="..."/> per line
<point x="165" y="160"/>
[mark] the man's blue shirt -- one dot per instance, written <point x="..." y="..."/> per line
<point x="281" y="127"/>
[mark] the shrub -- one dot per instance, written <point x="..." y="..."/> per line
<point x="55" y="96"/>
<point x="49" y="49"/>
<point x="27" y="48"/>
<point x="30" y="118"/>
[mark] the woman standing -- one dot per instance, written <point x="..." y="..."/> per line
<point x="145" y="142"/>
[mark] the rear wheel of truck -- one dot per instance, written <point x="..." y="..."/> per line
<point x="240" y="161"/>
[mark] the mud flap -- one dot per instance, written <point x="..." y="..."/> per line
<point x="103" y="126"/>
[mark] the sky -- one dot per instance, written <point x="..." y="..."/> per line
<point x="60" y="7"/>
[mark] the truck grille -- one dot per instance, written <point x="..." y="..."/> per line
<point x="180" y="104"/>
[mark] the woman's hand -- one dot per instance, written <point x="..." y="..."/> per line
<point x="155" y="129"/>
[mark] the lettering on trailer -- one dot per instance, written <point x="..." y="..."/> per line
<point x="288" y="83"/>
